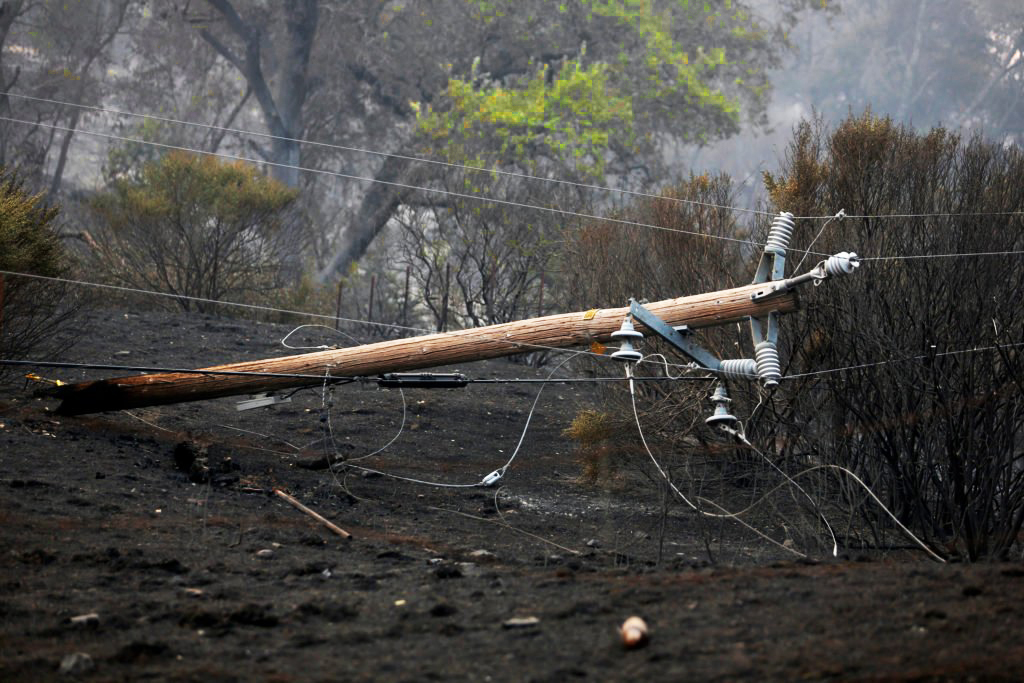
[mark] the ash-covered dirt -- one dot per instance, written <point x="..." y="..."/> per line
<point x="147" y="545"/>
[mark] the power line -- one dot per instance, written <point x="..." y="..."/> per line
<point x="447" y="164"/>
<point x="955" y="255"/>
<point x="404" y="157"/>
<point x="271" y="309"/>
<point x="967" y="214"/>
<point x="405" y="186"/>
<point x="329" y="378"/>
<point x="905" y="360"/>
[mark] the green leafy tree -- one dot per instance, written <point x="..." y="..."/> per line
<point x="194" y="226"/>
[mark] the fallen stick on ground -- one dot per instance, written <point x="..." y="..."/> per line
<point x="315" y="515"/>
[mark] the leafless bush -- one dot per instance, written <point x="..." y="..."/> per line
<point x="929" y="410"/>
<point x="476" y="263"/>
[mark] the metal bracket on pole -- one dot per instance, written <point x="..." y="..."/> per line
<point x="676" y="336"/>
<point x="764" y="330"/>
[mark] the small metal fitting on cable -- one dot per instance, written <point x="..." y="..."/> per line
<point x="722" y="416"/>
<point x="628" y="334"/>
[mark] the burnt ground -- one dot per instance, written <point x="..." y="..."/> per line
<point x="149" y="542"/>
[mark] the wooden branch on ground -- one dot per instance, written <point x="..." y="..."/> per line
<point x="315" y="515"/>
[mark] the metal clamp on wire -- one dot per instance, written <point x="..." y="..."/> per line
<point x="493" y="478"/>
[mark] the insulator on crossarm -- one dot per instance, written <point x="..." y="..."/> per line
<point x="721" y="400"/>
<point x="739" y="368"/>
<point x="779" y="234"/>
<point x="769" y="369"/>
<point x="628" y="334"/>
<point x="842" y="263"/>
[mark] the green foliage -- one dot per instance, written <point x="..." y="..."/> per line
<point x="27" y="239"/>
<point x="32" y="312"/>
<point x="570" y="115"/>
<point x="194" y="226"/>
<point x="607" y="99"/>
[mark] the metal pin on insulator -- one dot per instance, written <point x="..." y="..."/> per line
<point x="721" y="400"/>
<point x="628" y="334"/>
<point x="843" y="263"/>
<point x="779" y="234"/>
<point x="739" y="368"/>
<point x="769" y="369"/>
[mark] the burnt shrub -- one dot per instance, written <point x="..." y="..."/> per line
<point x="929" y="409"/>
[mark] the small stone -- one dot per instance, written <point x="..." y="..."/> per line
<point x="122" y="354"/>
<point x="265" y="554"/>
<point x="520" y="622"/>
<point x="483" y="555"/>
<point x="76" y="663"/>
<point x="90" y="619"/>
<point x="469" y="568"/>
<point x="593" y="543"/>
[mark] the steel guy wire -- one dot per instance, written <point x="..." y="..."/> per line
<point x="487" y="481"/>
<point x="406" y="186"/>
<point x="404" y="157"/>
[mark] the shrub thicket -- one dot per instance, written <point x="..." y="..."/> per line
<point x="32" y="311"/>
<point x="194" y="226"/>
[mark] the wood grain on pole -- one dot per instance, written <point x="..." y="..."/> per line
<point x="413" y="353"/>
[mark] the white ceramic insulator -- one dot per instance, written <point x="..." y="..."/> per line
<point x="779" y="234"/>
<point x="768" y="367"/>
<point x="739" y="368"/>
<point x="842" y="263"/>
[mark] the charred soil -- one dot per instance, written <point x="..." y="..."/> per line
<point x="148" y="545"/>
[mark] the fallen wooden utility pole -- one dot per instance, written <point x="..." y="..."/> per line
<point x="561" y="330"/>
